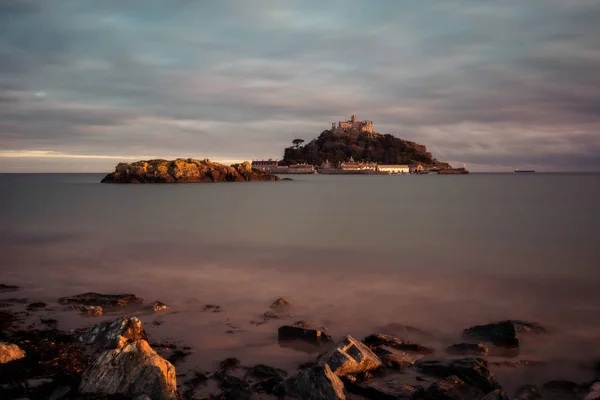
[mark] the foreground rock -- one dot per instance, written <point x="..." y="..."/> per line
<point x="302" y="331"/>
<point x="8" y="288"/>
<point x="501" y="334"/>
<point x="315" y="383"/>
<point x="472" y="371"/>
<point x="103" y="300"/>
<point x="396" y="359"/>
<point x="132" y="370"/>
<point x="350" y="357"/>
<point x="159" y="306"/>
<point x="91" y="311"/>
<point x="476" y="349"/>
<point x="379" y="339"/>
<point x="453" y="388"/>
<point x="185" y="170"/>
<point x="115" y="334"/>
<point x="10" y="352"/>
<point x="387" y="388"/>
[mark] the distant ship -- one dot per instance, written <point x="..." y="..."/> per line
<point x="524" y="170"/>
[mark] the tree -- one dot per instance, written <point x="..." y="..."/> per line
<point x="297" y="142"/>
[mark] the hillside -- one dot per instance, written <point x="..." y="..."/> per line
<point x="361" y="146"/>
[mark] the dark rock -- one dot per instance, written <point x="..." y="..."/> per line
<point x="91" y="311"/>
<point x="473" y="371"/>
<point x="526" y="327"/>
<point x="379" y="339"/>
<point x="60" y="392"/>
<point x="563" y="389"/>
<point x="453" y="388"/>
<point x="36" y="306"/>
<point x="396" y="359"/>
<point x="115" y="334"/>
<point x="212" y="307"/>
<point x="264" y="371"/>
<point x="186" y="171"/>
<point x="315" y="383"/>
<point x="130" y="370"/>
<point x="178" y="355"/>
<point x="313" y="336"/>
<point x="528" y="392"/>
<point x="502" y="334"/>
<point x="228" y="364"/>
<point x="8" y="288"/>
<point x="495" y="395"/>
<point x="280" y="304"/>
<point x="158" y="306"/>
<point x="103" y="300"/>
<point x="350" y="357"/>
<point x="268" y="378"/>
<point x="49" y="322"/>
<point x="387" y="388"/>
<point x="476" y="349"/>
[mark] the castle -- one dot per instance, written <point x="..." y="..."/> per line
<point x="352" y="125"/>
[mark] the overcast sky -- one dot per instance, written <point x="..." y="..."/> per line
<point x="495" y="85"/>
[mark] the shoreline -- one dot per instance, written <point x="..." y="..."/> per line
<point x="23" y="319"/>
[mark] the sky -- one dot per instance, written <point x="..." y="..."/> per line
<point x="491" y="85"/>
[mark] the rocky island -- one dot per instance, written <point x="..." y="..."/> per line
<point x="185" y="171"/>
<point x="358" y="140"/>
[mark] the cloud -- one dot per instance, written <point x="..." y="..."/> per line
<point x="504" y="83"/>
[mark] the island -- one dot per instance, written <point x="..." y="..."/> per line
<point x="184" y="170"/>
<point x="354" y="147"/>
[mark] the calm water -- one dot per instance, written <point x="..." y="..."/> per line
<point x="353" y="253"/>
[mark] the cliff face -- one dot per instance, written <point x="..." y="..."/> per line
<point x="383" y="149"/>
<point x="185" y="170"/>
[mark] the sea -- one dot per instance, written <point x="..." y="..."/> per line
<point x="352" y="254"/>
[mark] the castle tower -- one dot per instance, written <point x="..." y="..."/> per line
<point x="353" y="117"/>
<point x="333" y="126"/>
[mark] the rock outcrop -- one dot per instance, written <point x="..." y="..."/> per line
<point x="379" y="339"/>
<point x="476" y="349"/>
<point x="131" y="370"/>
<point x="387" y="388"/>
<point x="10" y="352"/>
<point x="350" y="357"/>
<point x="185" y="171"/>
<point x="396" y="359"/>
<point x="115" y="334"/>
<point x="302" y="331"/>
<point x="103" y="300"/>
<point x="315" y="383"/>
<point x="453" y="388"/>
<point x="501" y="334"/>
<point x="472" y="371"/>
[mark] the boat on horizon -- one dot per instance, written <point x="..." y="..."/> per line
<point x="524" y="170"/>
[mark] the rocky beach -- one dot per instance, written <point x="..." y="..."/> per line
<point x="112" y="353"/>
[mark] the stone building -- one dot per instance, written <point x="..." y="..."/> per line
<point x="352" y="125"/>
<point x="416" y="168"/>
<point x="263" y="165"/>
<point x="393" y="169"/>
<point x="352" y="166"/>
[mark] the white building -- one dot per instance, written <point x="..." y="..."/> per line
<point x="393" y="169"/>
